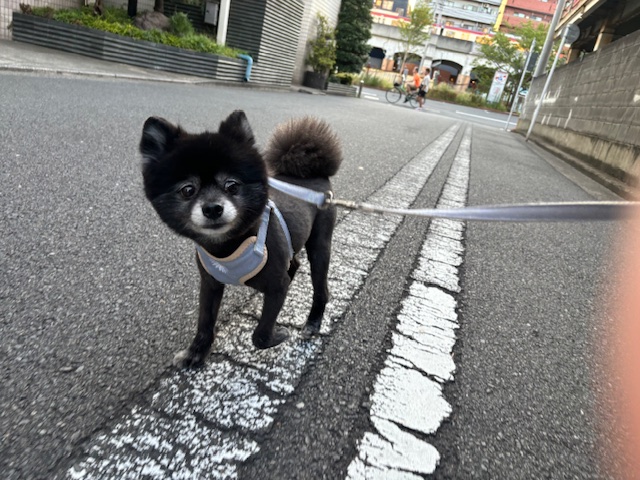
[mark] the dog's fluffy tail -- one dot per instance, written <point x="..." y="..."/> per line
<point x="304" y="148"/>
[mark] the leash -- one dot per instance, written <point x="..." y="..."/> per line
<point x="523" y="212"/>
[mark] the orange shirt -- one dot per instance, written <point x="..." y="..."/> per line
<point x="417" y="80"/>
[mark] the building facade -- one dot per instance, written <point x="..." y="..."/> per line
<point x="275" y="33"/>
<point x="473" y="15"/>
<point x="516" y="12"/>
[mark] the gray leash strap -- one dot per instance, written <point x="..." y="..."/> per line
<point x="319" y="199"/>
<point x="536" y="212"/>
<point x="540" y="212"/>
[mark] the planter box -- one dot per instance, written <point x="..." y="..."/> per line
<point x="340" y="89"/>
<point x="115" y="48"/>
<point x="314" y="80"/>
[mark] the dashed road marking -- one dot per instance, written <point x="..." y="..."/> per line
<point x="407" y="400"/>
<point x="204" y="423"/>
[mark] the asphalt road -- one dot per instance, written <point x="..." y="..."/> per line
<point x="477" y="116"/>
<point x="97" y="295"/>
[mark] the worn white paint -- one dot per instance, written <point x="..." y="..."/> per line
<point x="202" y="423"/>
<point x="407" y="395"/>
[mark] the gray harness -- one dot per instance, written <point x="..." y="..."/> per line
<point x="249" y="258"/>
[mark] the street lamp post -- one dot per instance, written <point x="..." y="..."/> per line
<point x="548" y="43"/>
<point x="524" y="72"/>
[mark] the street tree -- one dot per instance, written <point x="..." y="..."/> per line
<point x="509" y="54"/>
<point x="415" y="32"/>
<point x="322" y="49"/>
<point x="352" y="34"/>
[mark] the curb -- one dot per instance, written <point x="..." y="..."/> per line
<point x="13" y="68"/>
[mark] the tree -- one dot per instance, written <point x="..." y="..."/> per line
<point x="503" y="53"/>
<point x="413" y="32"/>
<point x="322" y="50"/>
<point x="352" y="34"/>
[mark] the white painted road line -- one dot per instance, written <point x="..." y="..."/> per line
<point x="407" y="395"/>
<point x="204" y="423"/>
<point x="486" y="118"/>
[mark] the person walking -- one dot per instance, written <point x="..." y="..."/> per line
<point x="423" y="88"/>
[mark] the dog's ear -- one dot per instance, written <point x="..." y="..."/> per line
<point x="158" y="137"/>
<point x="237" y="127"/>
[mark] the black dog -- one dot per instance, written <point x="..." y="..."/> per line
<point x="213" y="188"/>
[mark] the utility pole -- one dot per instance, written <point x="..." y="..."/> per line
<point x="570" y="34"/>
<point x="548" y="43"/>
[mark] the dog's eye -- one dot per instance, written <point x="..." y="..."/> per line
<point x="231" y="187"/>
<point x="188" y="191"/>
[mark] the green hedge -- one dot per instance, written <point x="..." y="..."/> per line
<point x="446" y="93"/>
<point x="116" y="20"/>
<point x="375" y="82"/>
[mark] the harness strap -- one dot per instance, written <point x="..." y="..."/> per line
<point x="283" y="224"/>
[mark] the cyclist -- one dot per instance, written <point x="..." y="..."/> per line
<point x="413" y="84"/>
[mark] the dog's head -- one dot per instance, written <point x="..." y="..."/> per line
<point x="209" y="186"/>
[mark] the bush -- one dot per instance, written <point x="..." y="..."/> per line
<point x="322" y="50"/>
<point x="443" y="92"/>
<point x="375" y="82"/>
<point x="181" y="25"/>
<point x="470" y="100"/>
<point x="344" y="78"/>
<point x="116" y="20"/>
<point x="497" y="106"/>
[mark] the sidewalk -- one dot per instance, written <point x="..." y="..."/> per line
<point x="24" y="57"/>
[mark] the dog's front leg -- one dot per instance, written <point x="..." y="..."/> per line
<point x="210" y="299"/>
<point x="267" y="334"/>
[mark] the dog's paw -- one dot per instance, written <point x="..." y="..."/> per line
<point x="188" y="359"/>
<point x="278" y="335"/>
<point x="309" y="331"/>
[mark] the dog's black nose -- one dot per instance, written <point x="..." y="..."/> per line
<point x="212" y="210"/>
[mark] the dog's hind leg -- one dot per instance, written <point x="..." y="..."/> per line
<point x="293" y="268"/>
<point x="319" y="252"/>
<point x="210" y="299"/>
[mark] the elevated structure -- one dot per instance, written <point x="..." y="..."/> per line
<point x="452" y="47"/>
<point x="600" y="21"/>
<point x="590" y="114"/>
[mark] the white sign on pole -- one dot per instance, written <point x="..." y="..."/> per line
<point x="497" y="86"/>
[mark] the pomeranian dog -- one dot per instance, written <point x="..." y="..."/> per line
<point x="212" y="187"/>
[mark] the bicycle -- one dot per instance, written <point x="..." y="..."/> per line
<point x="398" y="91"/>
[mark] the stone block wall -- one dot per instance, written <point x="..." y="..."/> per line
<point x="592" y="109"/>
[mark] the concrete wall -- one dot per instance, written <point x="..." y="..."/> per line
<point x="592" y="109"/>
